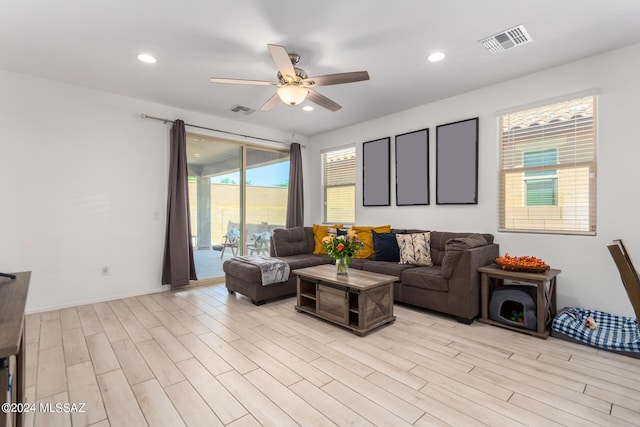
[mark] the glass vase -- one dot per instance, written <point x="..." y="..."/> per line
<point x="342" y="265"/>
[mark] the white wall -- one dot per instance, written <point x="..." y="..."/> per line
<point x="589" y="277"/>
<point x="82" y="177"/>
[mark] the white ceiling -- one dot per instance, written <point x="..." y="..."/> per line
<point x="94" y="43"/>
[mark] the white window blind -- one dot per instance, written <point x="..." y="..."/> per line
<point x="548" y="167"/>
<point x="339" y="185"/>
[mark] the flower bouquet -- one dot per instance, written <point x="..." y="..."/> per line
<point x="342" y="248"/>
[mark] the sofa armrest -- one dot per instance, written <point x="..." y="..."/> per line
<point x="272" y="247"/>
<point x="464" y="284"/>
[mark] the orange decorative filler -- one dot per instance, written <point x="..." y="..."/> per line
<point x="521" y="263"/>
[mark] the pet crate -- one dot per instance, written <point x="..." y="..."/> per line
<point x="514" y="305"/>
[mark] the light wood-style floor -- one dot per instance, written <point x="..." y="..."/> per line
<point x="203" y="358"/>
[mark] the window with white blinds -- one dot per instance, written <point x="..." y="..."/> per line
<point x="548" y="167"/>
<point x="339" y="185"/>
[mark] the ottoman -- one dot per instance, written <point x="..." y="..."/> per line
<point x="246" y="279"/>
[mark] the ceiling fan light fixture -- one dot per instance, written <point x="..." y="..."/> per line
<point x="436" y="56"/>
<point x="292" y="94"/>
<point x="146" y="58"/>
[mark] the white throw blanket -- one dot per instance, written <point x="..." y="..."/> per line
<point x="273" y="270"/>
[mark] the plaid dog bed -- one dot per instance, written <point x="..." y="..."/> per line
<point x="615" y="333"/>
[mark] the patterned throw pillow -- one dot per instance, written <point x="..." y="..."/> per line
<point x="334" y="232"/>
<point x="415" y="248"/>
<point x="341" y="231"/>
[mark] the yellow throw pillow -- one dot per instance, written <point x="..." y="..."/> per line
<point x="319" y="232"/>
<point x="365" y="235"/>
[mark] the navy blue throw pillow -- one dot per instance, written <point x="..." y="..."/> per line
<point x="385" y="246"/>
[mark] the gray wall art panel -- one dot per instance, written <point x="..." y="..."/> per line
<point x="376" y="173"/>
<point x="412" y="168"/>
<point x="457" y="163"/>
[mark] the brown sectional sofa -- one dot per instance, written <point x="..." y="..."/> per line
<point x="452" y="288"/>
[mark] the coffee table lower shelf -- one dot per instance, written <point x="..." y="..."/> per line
<point x="352" y="326"/>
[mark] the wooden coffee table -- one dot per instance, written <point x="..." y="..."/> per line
<point x="360" y="300"/>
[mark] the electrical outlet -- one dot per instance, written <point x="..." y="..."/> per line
<point x="105" y="270"/>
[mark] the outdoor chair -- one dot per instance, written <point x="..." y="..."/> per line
<point x="231" y="240"/>
<point x="260" y="243"/>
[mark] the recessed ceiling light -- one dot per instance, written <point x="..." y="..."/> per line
<point x="145" y="57"/>
<point x="307" y="108"/>
<point x="436" y="56"/>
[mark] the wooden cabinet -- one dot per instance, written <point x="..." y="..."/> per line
<point x="545" y="283"/>
<point x="13" y="298"/>
<point x="360" y="301"/>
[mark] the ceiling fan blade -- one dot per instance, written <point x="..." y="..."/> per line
<point x="282" y="61"/>
<point x="323" y="101"/>
<point x="241" y="81"/>
<point x="271" y="102"/>
<point x="336" y="79"/>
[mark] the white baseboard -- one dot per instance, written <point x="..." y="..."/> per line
<point x="95" y="300"/>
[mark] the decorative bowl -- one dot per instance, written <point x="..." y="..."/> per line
<point x="507" y="266"/>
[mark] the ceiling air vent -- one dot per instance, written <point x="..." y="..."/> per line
<point x="507" y="39"/>
<point x="242" y="109"/>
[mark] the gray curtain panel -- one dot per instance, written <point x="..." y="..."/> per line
<point x="295" y="205"/>
<point x="178" y="267"/>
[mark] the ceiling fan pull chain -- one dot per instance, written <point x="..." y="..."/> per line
<point x="293" y="124"/>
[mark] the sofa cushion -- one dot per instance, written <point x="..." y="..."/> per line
<point x="291" y="241"/>
<point x="386" y="267"/>
<point x="308" y="260"/>
<point x="439" y="240"/>
<point x="429" y="278"/>
<point x="455" y="247"/>
<point x="357" y="263"/>
<point x="363" y="233"/>
<point x="319" y="233"/>
<point x="385" y="246"/>
<point x="407" y="231"/>
<point x="415" y="248"/>
<point x="242" y="270"/>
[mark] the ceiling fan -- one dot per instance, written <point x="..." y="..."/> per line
<point x="294" y="85"/>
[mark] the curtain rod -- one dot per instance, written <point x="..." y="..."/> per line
<point x="146" y="116"/>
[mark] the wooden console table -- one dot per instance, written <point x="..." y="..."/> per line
<point x="360" y="300"/>
<point x="491" y="277"/>
<point x="13" y="298"/>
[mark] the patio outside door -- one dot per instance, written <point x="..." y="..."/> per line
<point x="237" y="196"/>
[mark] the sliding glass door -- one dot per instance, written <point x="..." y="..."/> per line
<point x="267" y="182"/>
<point x="237" y="196"/>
